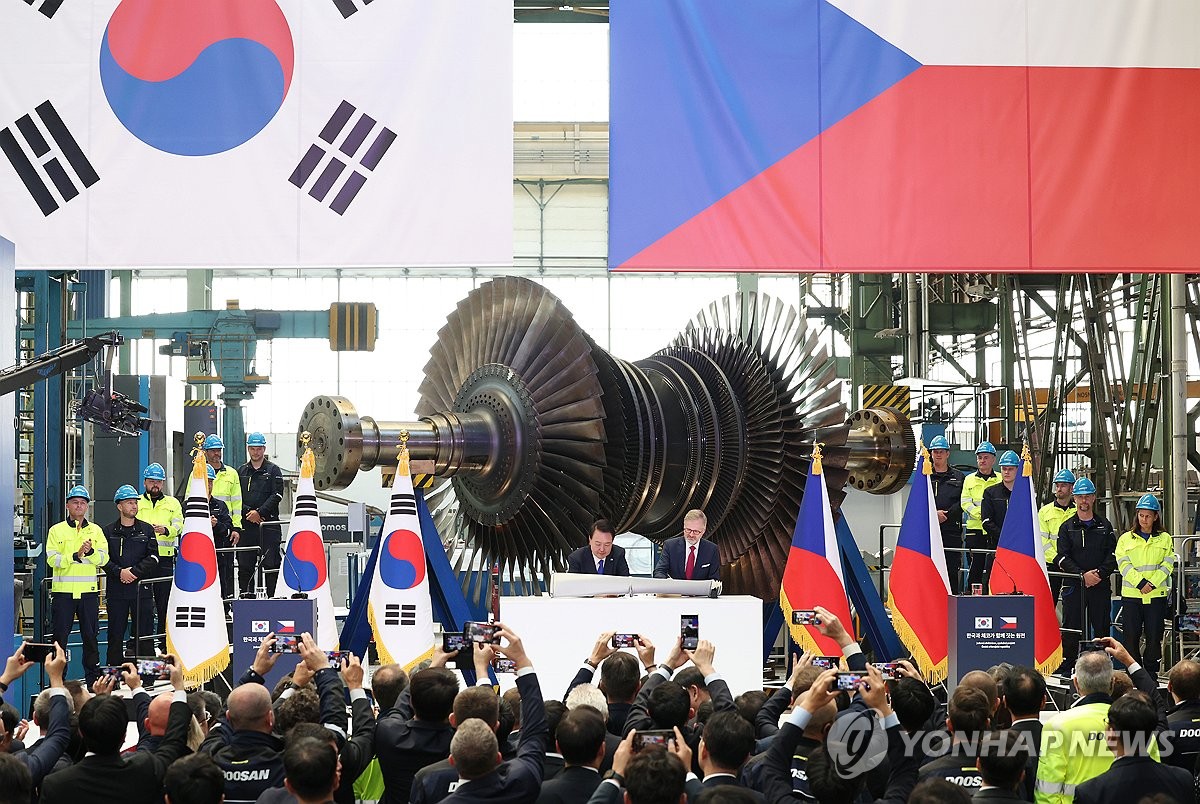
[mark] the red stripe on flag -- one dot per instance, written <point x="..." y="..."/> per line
<point x="1012" y="570"/>
<point x="919" y="596"/>
<point x="808" y="581"/>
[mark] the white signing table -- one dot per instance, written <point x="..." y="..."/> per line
<point x="559" y="633"/>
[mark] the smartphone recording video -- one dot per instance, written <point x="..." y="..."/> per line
<point x="827" y="662"/>
<point x="1188" y="622"/>
<point x="37" y="651"/>
<point x="650" y="737"/>
<point x="482" y="632"/>
<point x="805" y="617"/>
<point x="889" y="670"/>
<point x="504" y="665"/>
<point x="850" y="680"/>
<point x="453" y="643"/>
<point x="624" y="640"/>
<point x="286" y="643"/>
<point x="155" y="669"/>
<point x="689" y="629"/>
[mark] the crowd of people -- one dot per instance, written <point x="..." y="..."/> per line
<point x="638" y="726"/>
<point x="1083" y="550"/>
<point x="135" y="554"/>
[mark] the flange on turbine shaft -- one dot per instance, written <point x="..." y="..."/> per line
<point x="537" y="431"/>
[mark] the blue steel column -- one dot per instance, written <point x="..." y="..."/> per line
<point x="48" y="503"/>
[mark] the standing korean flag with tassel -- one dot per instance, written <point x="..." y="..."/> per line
<point x="196" y="634"/>
<point x="304" y="572"/>
<point x="400" y="611"/>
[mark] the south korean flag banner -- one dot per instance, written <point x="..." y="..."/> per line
<point x="305" y="564"/>
<point x="400" y="612"/>
<point x="196" y="634"/>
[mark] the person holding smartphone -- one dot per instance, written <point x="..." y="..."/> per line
<point x="1146" y="559"/>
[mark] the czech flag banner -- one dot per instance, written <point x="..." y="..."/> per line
<point x="813" y="575"/>
<point x="305" y="568"/>
<point x="400" y="611"/>
<point x="919" y="587"/>
<point x="196" y="634"/>
<point x="1020" y="567"/>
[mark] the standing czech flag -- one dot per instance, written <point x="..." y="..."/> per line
<point x="813" y="576"/>
<point x="919" y="587"/>
<point x="400" y="612"/>
<point x="1020" y="567"/>
<point x="196" y="634"/>
<point x="305" y="568"/>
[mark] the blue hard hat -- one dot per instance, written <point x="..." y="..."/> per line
<point x="213" y="442"/>
<point x="154" y="472"/>
<point x="1009" y="458"/>
<point x="256" y="440"/>
<point x="1149" y="502"/>
<point x="126" y="492"/>
<point x="939" y="442"/>
<point x="985" y="446"/>
<point x="79" y="491"/>
<point x="1065" y="476"/>
<point x="212" y="473"/>
<point x="1083" y="486"/>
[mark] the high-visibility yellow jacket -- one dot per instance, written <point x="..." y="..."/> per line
<point x="1140" y="559"/>
<point x="167" y="512"/>
<point x="1074" y="750"/>
<point x="227" y="487"/>
<point x="72" y="573"/>
<point x="1050" y="517"/>
<point x="972" y="498"/>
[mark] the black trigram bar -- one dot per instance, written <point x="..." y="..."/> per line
<point x="50" y="6"/>
<point x="197" y="506"/>
<point x="189" y="617"/>
<point x="305" y="504"/>
<point x="408" y="614"/>
<point x="403" y="503"/>
<point x="344" y="7"/>
<point x="335" y="166"/>
<point x="391" y="614"/>
<point x="50" y="162"/>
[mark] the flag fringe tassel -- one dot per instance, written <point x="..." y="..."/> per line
<point x="1052" y="662"/>
<point x="934" y="672"/>
<point x="385" y="656"/>
<point x="204" y="672"/>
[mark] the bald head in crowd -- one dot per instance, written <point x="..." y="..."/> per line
<point x="1184" y="681"/>
<point x="249" y="709"/>
<point x="156" y="717"/>
<point x="983" y="682"/>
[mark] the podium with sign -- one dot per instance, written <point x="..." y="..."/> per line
<point x="986" y="630"/>
<point x="254" y="619"/>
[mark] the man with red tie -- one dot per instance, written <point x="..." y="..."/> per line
<point x="690" y="557"/>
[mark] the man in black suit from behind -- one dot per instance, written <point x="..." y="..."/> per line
<point x="725" y="746"/>
<point x="1024" y="697"/>
<point x="1133" y="775"/>
<point x="1002" y="762"/>
<point x="690" y="557"/>
<point x="599" y="556"/>
<point x="106" y="775"/>
<point x="580" y="740"/>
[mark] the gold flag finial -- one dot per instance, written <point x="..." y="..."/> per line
<point x="308" y="461"/>
<point x="402" y="463"/>
<point x="199" y="465"/>
<point x="926" y="465"/>
<point x="815" y="467"/>
<point x="1027" y="460"/>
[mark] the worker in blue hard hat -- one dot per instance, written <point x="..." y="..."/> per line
<point x="1146" y="560"/>
<point x="262" y="492"/>
<point x="1050" y="518"/>
<point x="947" y="500"/>
<point x="974" y="485"/>
<point x="75" y="551"/>
<point x="1087" y="547"/>
<point x="226" y="486"/>
<point x="132" y="556"/>
<point x="165" y="515"/>
<point x="995" y="505"/>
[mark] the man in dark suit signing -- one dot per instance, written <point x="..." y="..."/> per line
<point x="689" y="557"/>
<point x="600" y="556"/>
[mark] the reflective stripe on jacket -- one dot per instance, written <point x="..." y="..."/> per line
<point x="1050" y="519"/>
<point x="68" y="575"/>
<point x="166" y="512"/>
<point x="1141" y="559"/>
<point x="227" y="487"/>
<point x="972" y="498"/>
